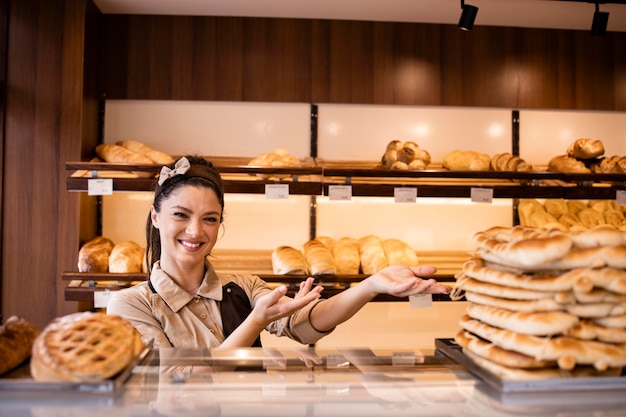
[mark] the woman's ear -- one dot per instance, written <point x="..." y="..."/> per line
<point x="154" y="216"/>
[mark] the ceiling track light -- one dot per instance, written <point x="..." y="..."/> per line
<point x="468" y="15"/>
<point x="600" y="19"/>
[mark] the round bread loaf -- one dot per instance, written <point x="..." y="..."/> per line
<point x="16" y="341"/>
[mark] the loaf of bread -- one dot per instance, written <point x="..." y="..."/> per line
<point x="126" y="257"/>
<point x="289" y="260"/>
<point x="346" y="254"/>
<point x="279" y="157"/>
<point x="84" y="347"/>
<point x="567" y="164"/>
<point x="585" y="148"/>
<point x="110" y="152"/>
<point x="466" y="160"/>
<point x="93" y="256"/>
<point x="155" y="156"/>
<point x="319" y="257"/>
<point x="398" y="252"/>
<point x="17" y="336"/>
<point x="372" y="254"/>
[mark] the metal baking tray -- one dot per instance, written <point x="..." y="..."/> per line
<point x="451" y="349"/>
<point x="21" y="380"/>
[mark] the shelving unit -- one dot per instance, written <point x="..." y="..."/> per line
<point x="314" y="179"/>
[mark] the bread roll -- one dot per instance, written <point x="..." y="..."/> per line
<point x="585" y="148"/>
<point x="372" y="254"/>
<point x="555" y="207"/>
<point x="93" y="256"/>
<point x="398" y="252"/>
<point x="395" y="145"/>
<point x="126" y="257"/>
<point x="289" y="260"/>
<point x="346" y="254"/>
<point x="16" y="342"/>
<point x="155" y="156"/>
<point x="84" y="347"/>
<point x="319" y="257"/>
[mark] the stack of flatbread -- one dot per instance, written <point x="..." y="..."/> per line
<point x="574" y="215"/>
<point x="544" y="303"/>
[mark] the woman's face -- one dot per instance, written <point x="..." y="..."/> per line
<point x="188" y="224"/>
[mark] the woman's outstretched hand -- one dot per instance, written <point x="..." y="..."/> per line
<point x="404" y="280"/>
<point x="274" y="305"/>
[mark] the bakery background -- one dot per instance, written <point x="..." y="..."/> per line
<point x="349" y="133"/>
<point x="62" y="58"/>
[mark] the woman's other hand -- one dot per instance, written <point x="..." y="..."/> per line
<point x="404" y="280"/>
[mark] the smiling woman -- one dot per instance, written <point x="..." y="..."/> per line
<point x="187" y="304"/>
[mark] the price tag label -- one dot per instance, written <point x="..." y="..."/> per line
<point x="277" y="191"/>
<point x="421" y="300"/>
<point x="340" y="192"/>
<point x="336" y="361"/>
<point x="620" y="197"/>
<point x="403" y="359"/>
<point x="100" y="186"/>
<point x="405" y="194"/>
<point x="481" y="195"/>
<point x="101" y="298"/>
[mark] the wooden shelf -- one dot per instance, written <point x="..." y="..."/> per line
<point x="366" y="179"/>
<point x="83" y="284"/>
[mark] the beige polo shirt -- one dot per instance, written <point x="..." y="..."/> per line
<point x="174" y="318"/>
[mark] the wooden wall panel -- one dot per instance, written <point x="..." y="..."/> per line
<point x="43" y="130"/>
<point x="300" y="60"/>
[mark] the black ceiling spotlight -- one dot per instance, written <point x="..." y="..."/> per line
<point x="600" y="19"/>
<point x="468" y="15"/>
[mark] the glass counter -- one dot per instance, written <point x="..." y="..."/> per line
<point x="298" y="382"/>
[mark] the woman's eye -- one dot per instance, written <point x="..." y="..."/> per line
<point x="180" y="215"/>
<point x="211" y="219"/>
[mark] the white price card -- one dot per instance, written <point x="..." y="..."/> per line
<point x="620" y="197"/>
<point x="101" y="298"/>
<point x="405" y="194"/>
<point x="481" y="195"/>
<point x="277" y="191"/>
<point x="421" y="300"/>
<point x="403" y="359"/>
<point x="340" y="192"/>
<point x="100" y="186"/>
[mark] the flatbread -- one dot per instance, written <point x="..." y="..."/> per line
<point x="543" y="323"/>
<point x="567" y="351"/>
<point x="480" y="347"/>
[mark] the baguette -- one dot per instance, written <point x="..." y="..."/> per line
<point x="155" y="156"/>
<point x="115" y="153"/>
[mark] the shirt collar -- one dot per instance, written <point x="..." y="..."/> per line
<point x="175" y="297"/>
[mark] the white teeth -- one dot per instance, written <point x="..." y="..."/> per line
<point x="189" y="244"/>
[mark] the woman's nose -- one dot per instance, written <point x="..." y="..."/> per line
<point x="193" y="227"/>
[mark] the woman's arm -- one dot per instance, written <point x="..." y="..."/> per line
<point x="272" y="306"/>
<point x="396" y="280"/>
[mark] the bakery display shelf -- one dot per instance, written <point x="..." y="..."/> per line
<point x="82" y="285"/>
<point x="451" y="349"/>
<point x="366" y="177"/>
<point x="20" y="381"/>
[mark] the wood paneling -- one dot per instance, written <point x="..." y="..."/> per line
<point x="299" y="60"/>
<point x="43" y="130"/>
